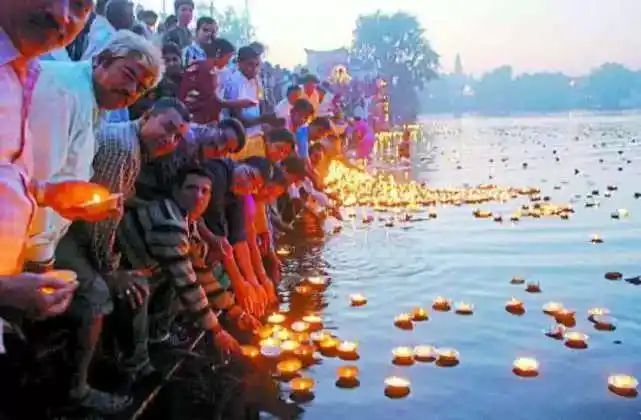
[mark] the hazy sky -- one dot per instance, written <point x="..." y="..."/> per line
<point x="567" y="35"/>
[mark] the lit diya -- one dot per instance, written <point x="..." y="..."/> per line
<point x="289" y="346"/>
<point x="347" y="350"/>
<point x="283" y="251"/>
<point x="517" y="280"/>
<point x="302" y="389"/>
<point x="441" y="304"/>
<point x="576" y="340"/>
<point x="315" y="322"/>
<point x="533" y="287"/>
<point x="604" y="322"/>
<point x="551" y="308"/>
<point x="425" y="353"/>
<point x="482" y="214"/>
<point x="251" y="352"/>
<point x="596" y="239"/>
<point x="67" y="276"/>
<point x="419" y="314"/>
<point x="613" y="275"/>
<point x="270" y="348"/>
<point x="287" y="369"/>
<point x="299" y="326"/>
<point x="515" y="306"/>
<point x="623" y="385"/>
<point x="100" y="202"/>
<point x="282" y="334"/>
<point x="317" y="282"/>
<point x="526" y="366"/>
<point x="358" y="299"/>
<point x="404" y="322"/>
<point x="347" y="377"/>
<point x="403" y="356"/>
<point x="305" y="353"/>
<point x="303" y="289"/>
<point x="447" y="357"/>
<point x="318" y="336"/>
<point x="464" y="308"/>
<point x="276" y="319"/>
<point x="396" y="387"/>
<point x="592" y="312"/>
<point x="328" y="346"/>
<point x="565" y="317"/>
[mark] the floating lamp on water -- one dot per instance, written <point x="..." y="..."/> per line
<point x="303" y="289"/>
<point x="347" y="350"/>
<point x="551" y="308"/>
<point x="425" y="353"/>
<point x="347" y="377"/>
<point x="419" y="314"/>
<point x="556" y="331"/>
<point x="305" y="353"/>
<point x="623" y="385"/>
<point x="317" y="282"/>
<point x="592" y="312"/>
<point x="328" y="346"/>
<point x="604" y="322"/>
<point x="270" y="342"/>
<point x="299" y="326"/>
<point x="283" y="252"/>
<point x="276" y="319"/>
<point x="318" y="336"/>
<point x="358" y="299"/>
<point x="596" y="239"/>
<point x="517" y="280"/>
<point x="404" y="322"/>
<point x="403" y="356"/>
<point x="396" y="387"/>
<point x="464" y="308"/>
<point x="515" y="306"/>
<point x="270" y="348"/>
<point x="526" y="366"/>
<point x="289" y="346"/>
<point x="576" y="340"/>
<point x="251" y="352"/>
<point x="441" y="304"/>
<point x="533" y="287"/>
<point x="315" y="322"/>
<point x="613" y="275"/>
<point x="265" y="331"/>
<point x="282" y="334"/>
<point x="447" y="357"/>
<point x="302" y="389"/>
<point x="289" y="368"/>
<point x="565" y="317"/>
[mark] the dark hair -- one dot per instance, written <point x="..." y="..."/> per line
<point x="247" y="53"/>
<point x="258" y="47"/>
<point x="263" y="165"/>
<point x="303" y="105"/>
<point x="292" y="89"/>
<point x="278" y="177"/>
<point x="205" y="20"/>
<point x="148" y="14"/>
<point x="238" y="128"/>
<point x="316" y="147"/>
<point x="164" y="104"/>
<point x="139" y="29"/>
<point x="100" y="6"/>
<point x="322" y="122"/>
<point x="171" y="20"/>
<point x="218" y="47"/>
<point x="171" y="48"/>
<point x="308" y="78"/>
<point x="294" y="165"/>
<point x="280" y="135"/>
<point x="185" y="171"/>
<point x="119" y="13"/>
<point x="179" y="3"/>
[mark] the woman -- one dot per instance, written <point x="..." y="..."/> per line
<point x="200" y="89"/>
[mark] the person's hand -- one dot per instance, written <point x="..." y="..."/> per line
<point x="67" y="197"/>
<point x="246" y="297"/>
<point x="246" y="322"/>
<point x="270" y="292"/>
<point x="264" y="242"/>
<point x="226" y="343"/>
<point x="219" y="249"/>
<point x="26" y="291"/>
<point x="276" y="267"/>
<point x="247" y="103"/>
<point x="260" y="298"/>
<point x="125" y="287"/>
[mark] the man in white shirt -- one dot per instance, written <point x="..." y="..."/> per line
<point x="285" y="106"/>
<point x="119" y="14"/>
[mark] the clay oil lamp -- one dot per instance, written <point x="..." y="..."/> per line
<point x="604" y="322"/>
<point x="288" y="368"/>
<point x="403" y="356"/>
<point x="347" y="350"/>
<point x="533" y="287"/>
<point x="328" y="346"/>
<point x="317" y="282"/>
<point x="526" y="366"/>
<point x="441" y="304"/>
<point x="358" y="299"/>
<point x="517" y="280"/>
<point x="515" y="306"/>
<point x="250" y="352"/>
<point x="447" y="357"/>
<point x="419" y="314"/>
<point x="397" y="387"/>
<point x="425" y="353"/>
<point x="613" y="275"/>
<point x="315" y="322"/>
<point x="318" y="336"/>
<point x="623" y="385"/>
<point x="565" y="317"/>
<point x="305" y="353"/>
<point x="598" y="311"/>
<point x="347" y="377"/>
<point x="276" y="319"/>
<point x="299" y="326"/>
<point x="552" y="308"/>
<point x="596" y="239"/>
<point x="576" y="340"/>
<point x="288" y="347"/>
<point x="302" y="389"/>
<point x="404" y="322"/>
<point x="270" y="348"/>
<point x="464" y="308"/>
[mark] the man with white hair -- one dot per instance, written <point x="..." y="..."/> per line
<point x="67" y="101"/>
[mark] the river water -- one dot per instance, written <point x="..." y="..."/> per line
<point x="470" y="259"/>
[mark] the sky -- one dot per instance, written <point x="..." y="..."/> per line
<point x="572" y="36"/>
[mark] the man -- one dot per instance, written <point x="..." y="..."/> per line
<point x="28" y="29"/>
<point x="310" y="90"/>
<point x="160" y="237"/>
<point x="300" y="114"/>
<point x="206" y="32"/>
<point x="316" y="130"/>
<point x="221" y="141"/>
<point x="225" y="224"/>
<point x="285" y="106"/>
<point x="119" y="75"/>
<point x="181" y="35"/>
<point x="119" y="14"/>
<point x="244" y="84"/>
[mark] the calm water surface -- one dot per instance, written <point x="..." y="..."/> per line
<point x="464" y="258"/>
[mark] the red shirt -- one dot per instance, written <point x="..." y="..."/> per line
<point x="197" y="91"/>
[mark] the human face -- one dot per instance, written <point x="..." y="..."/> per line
<point x="161" y="133"/>
<point x="250" y="67"/>
<point x="310" y="87"/>
<point x="316" y="157"/>
<point x="294" y="96"/>
<point x="223" y="61"/>
<point x="299" y="118"/>
<point x="317" y="133"/>
<point x="206" y="33"/>
<point x="278" y="151"/>
<point x="230" y="141"/>
<point x="270" y="192"/>
<point x="185" y="14"/>
<point x="173" y="64"/>
<point x="194" y="195"/>
<point x="120" y="81"/>
<point x="247" y="180"/>
<point x="38" y="26"/>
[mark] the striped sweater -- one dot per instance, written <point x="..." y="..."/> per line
<point x="158" y="237"/>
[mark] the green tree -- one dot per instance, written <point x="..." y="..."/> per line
<point x="397" y="48"/>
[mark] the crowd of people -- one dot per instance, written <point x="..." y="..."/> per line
<point x="208" y="166"/>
